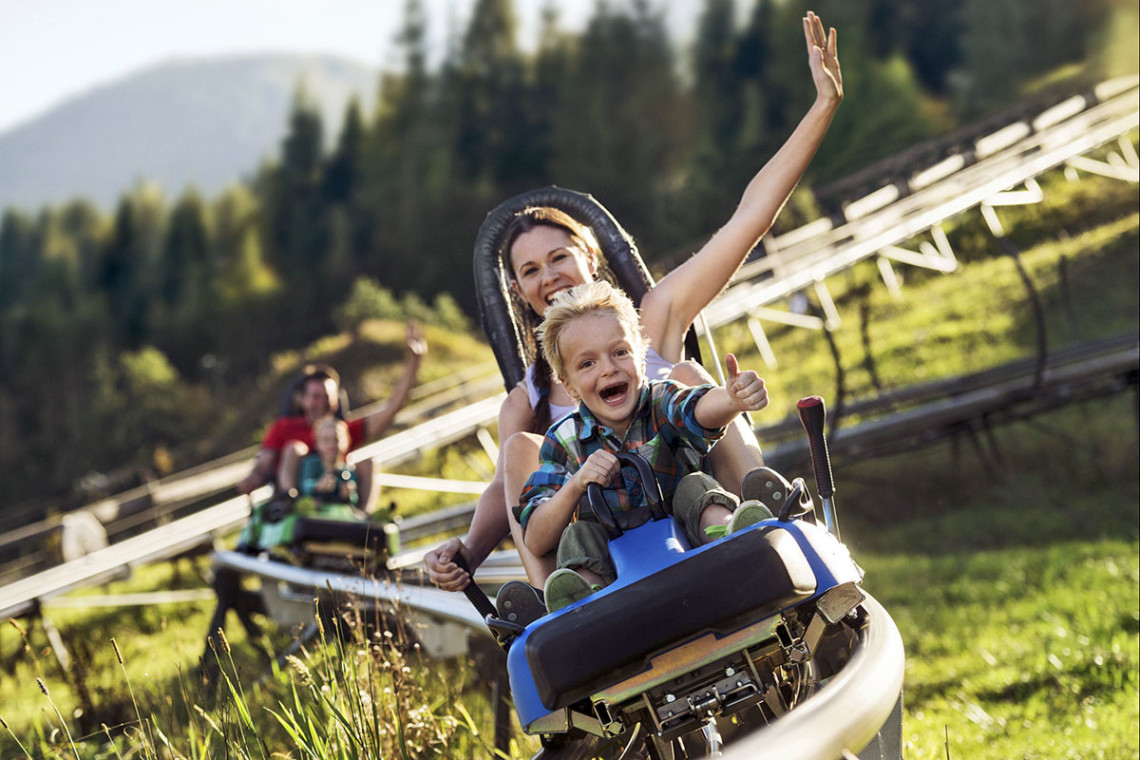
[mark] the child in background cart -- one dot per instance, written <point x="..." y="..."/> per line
<point x="326" y="473"/>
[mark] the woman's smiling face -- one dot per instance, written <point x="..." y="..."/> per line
<point x="545" y="261"/>
<point x="605" y="367"/>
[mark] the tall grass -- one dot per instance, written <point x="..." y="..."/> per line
<point x="357" y="690"/>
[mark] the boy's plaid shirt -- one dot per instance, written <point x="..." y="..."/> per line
<point x="664" y="430"/>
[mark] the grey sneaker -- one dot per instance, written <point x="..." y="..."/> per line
<point x="519" y="602"/>
<point x="766" y="486"/>
<point x="564" y="587"/>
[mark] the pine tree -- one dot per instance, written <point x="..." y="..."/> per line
<point x="298" y="220"/>
<point x="186" y="310"/>
<point x="622" y="127"/>
<point x="126" y="273"/>
<point x="20" y="260"/>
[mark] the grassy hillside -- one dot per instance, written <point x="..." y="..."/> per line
<point x="1015" y="590"/>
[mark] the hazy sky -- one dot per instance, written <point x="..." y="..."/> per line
<point x="53" y="49"/>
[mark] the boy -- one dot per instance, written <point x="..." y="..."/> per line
<point x="326" y="472"/>
<point x="592" y="339"/>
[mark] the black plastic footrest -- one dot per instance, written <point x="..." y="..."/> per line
<point x="745" y="579"/>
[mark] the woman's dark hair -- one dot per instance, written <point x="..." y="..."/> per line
<point x="523" y="222"/>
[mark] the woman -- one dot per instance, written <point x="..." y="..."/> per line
<point x="546" y="252"/>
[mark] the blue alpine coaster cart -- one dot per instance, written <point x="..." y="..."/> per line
<point x="694" y="648"/>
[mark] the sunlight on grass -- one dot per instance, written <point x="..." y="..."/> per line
<point x="1018" y="653"/>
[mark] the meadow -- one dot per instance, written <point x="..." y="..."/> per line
<point x="1016" y="588"/>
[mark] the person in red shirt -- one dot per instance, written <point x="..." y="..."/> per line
<point x="290" y="438"/>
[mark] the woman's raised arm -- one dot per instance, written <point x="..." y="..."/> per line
<point x="670" y="307"/>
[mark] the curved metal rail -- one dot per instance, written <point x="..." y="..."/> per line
<point x="856" y="708"/>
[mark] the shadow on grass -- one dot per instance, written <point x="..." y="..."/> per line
<point x="1068" y="475"/>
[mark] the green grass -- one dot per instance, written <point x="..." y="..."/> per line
<point x="1016" y="594"/>
<point x="133" y="685"/>
<point x="1018" y="653"/>
<point x="1015" y="590"/>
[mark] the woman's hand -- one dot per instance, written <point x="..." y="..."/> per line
<point x="823" y="56"/>
<point x="442" y="569"/>
<point x="746" y="389"/>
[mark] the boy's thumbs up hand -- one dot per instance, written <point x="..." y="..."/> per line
<point x="746" y="389"/>
<point x="733" y="368"/>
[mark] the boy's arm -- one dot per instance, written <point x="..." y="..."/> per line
<point x="547" y="519"/>
<point x="742" y="392"/>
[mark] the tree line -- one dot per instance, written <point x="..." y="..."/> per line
<point x="113" y="326"/>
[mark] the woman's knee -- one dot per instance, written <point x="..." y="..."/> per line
<point x="520" y="443"/>
<point x="519" y="455"/>
<point x="735" y="455"/>
<point x="689" y="372"/>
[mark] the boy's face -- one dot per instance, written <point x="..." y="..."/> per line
<point x="605" y="367"/>
<point x="327" y="440"/>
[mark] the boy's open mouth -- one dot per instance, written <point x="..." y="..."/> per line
<point x="614" y="394"/>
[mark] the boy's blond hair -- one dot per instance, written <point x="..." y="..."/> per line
<point x="344" y="440"/>
<point x="583" y="300"/>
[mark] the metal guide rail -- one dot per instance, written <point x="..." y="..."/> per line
<point x="872" y="226"/>
<point x="20" y="596"/>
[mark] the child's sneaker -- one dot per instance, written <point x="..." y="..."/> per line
<point x="766" y="486"/>
<point x="563" y="588"/>
<point x="519" y="602"/>
<point x="748" y="513"/>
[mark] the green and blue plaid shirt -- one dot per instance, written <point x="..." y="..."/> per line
<point x="664" y="430"/>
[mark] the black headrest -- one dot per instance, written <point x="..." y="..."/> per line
<point x="496" y="311"/>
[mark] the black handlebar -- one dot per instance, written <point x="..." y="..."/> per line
<point x="653" y="496"/>
<point x="475" y="595"/>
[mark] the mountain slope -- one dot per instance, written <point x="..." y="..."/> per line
<point x="205" y="122"/>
